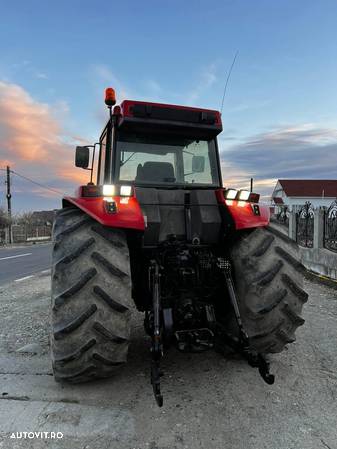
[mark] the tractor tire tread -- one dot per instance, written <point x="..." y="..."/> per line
<point x="296" y="290"/>
<point x="270" y="301"/>
<point x="115" y="305"/>
<point x="110" y="267"/>
<point x="72" y="325"/>
<point x="75" y="288"/>
<point x="91" y="298"/>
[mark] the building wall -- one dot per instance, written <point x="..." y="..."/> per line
<point x="278" y="190"/>
<point x="299" y="201"/>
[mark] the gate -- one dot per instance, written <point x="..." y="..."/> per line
<point x="330" y="227"/>
<point x="283" y="216"/>
<point x="305" y="225"/>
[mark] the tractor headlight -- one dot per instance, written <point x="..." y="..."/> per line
<point x="244" y="195"/>
<point x="108" y="190"/>
<point x="230" y="194"/>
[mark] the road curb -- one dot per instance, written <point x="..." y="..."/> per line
<point x="25" y="244"/>
<point x="320" y="279"/>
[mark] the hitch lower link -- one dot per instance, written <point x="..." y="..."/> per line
<point x="242" y="343"/>
<point x="157" y="344"/>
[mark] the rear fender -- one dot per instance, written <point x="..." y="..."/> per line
<point x="245" y="214"/>
<point x="127" y="213"/>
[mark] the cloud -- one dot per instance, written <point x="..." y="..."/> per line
<point x="27" y="127"/>
<point x="207" y="79"/>
<point x="104" y="75"/>
<point x="243" y="107"/>
<point x="152" y="90"/>
<point x="153" y="87"/>
<point x="41" y="75"/>
<point x="33" y="141"/>
<point x="299" y="151"/>
<point x="28" y="68"/>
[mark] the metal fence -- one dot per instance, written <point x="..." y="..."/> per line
<point x="305" y="225"/>
<point x="330" y="227"/>
<point x="282" y="217"/>
<point x="31" y="233"/>
<point x="27" y="233"/>
<point x="3" y="237"/>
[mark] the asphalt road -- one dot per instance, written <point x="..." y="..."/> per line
<point x="18" y="263"/>
<point x="211" y="402"/>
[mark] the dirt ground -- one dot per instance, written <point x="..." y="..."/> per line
<point x="210" y="401"/>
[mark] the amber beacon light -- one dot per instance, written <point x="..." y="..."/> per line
<point x="110" y="96"/>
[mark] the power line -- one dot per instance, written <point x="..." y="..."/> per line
<point x="35" y="182"/>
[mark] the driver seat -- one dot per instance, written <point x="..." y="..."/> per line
<point x="155" y="172"/>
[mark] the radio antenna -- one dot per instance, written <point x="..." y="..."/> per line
<point x="227" y="80"/>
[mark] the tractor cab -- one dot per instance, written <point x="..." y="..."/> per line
<point x="163" y="146"/>
<point x="168" y="157"/>
<point x="165" y="159"/>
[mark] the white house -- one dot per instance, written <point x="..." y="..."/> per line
<point x="295" y="192"/>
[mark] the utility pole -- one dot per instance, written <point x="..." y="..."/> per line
<point x="9" y="203"/>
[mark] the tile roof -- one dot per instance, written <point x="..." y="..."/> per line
<point x="310" y="187"/>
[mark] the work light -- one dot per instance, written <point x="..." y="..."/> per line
<point x="108" y="190"/>
<point x="126" y="190"/>
<point x="244" y="195"/>
<point x="230" y="194"/>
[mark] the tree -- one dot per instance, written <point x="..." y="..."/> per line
<point x="4" y="222"/>
<point x="24" y="218"/>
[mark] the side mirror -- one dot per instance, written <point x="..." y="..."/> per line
<point x="82" y="156"/>
<point x="198" y="164"/>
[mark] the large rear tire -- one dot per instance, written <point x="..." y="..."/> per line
<point x="269" y="284"/>
<point x="91" y="298"/>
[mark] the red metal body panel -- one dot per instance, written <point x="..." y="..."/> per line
<point x="244" y="217"/>
<point x="128" y="215"/>
<point x="243" y="212"/>
<point x="126" y="106"/>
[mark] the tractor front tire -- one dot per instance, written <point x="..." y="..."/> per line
<point x="268" y="279"/>
<point x="91" y="298"/>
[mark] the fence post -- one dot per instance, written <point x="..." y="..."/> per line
<point x="292" y="224"/>
<point x="318" y="228"/>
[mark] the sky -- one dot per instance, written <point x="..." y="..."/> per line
<point x="280" y="109"/>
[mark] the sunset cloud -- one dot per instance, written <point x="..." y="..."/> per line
<point x="34" y="143"/>
<point x="299" y="151"/>
<point x="27" y="127"/>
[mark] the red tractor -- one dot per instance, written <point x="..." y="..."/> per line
<point x="159" y="232"/>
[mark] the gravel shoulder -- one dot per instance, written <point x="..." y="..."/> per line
<point x="210" y="401"/>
